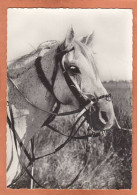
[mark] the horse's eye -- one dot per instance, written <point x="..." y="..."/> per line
<point x="74" y="70"/>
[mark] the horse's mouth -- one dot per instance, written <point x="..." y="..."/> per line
<point x="97" y="127"/>
<point x="92" y="132"/>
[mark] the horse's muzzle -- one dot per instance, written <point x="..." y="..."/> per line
<point x="98" y="119"/>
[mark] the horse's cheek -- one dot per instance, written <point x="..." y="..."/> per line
<point x="61" y="89"/>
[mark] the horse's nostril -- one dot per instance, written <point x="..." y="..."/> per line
<point x="104" y="116"/>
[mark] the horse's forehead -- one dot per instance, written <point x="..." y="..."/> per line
<point x="76" y="55"/>
<point x="71" y="56"/>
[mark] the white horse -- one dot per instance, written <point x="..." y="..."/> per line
<point x="29" y="99"/>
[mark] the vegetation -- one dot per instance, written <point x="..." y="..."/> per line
<point x="109" y="155"/>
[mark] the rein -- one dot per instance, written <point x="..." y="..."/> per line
<point x="85" y="105"/>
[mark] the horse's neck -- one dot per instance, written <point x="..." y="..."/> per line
<point x="24" y="75"/>
<point x="28" y="96"/>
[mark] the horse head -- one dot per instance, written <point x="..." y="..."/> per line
<point x="80" y="67"/>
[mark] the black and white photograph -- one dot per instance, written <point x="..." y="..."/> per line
<point x="69" y="98"/>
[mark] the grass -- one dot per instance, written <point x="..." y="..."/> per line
<point x="109" y="164"/>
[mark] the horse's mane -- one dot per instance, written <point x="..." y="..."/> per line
<point x="24" y="63"/>
<point x="47" y="46"/>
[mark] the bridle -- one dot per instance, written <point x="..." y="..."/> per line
<point x="85" y="109"/>
<point x="77" y="93"/>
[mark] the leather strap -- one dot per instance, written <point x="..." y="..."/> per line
<point x="77" y="94"/>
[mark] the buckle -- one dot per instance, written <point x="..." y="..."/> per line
<point x="108" y="97"/>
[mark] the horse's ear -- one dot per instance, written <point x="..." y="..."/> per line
<point x="83" y="39"/>
<point x="89" y="40"/>
<point x="69" y="37"/>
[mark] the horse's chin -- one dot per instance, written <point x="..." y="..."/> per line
<point x="105" y="128"/>
<point x="99" y="128"/>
